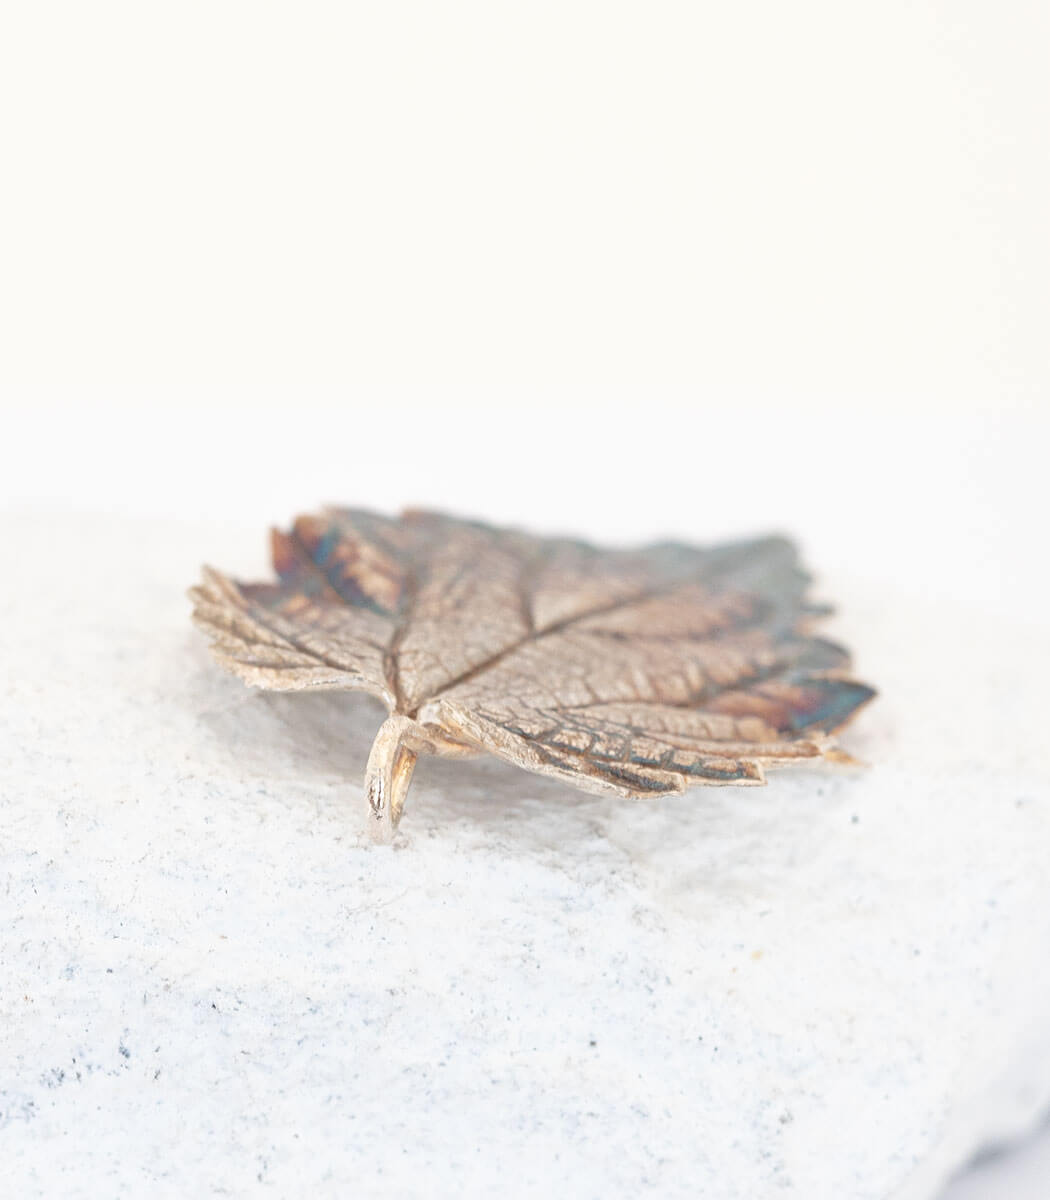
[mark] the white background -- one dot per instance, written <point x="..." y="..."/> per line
<point x="620" y="269"/>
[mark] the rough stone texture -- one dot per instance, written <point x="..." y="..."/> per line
<point x="835" y="986"/>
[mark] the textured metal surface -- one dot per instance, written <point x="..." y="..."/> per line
<point x="637" y="672"/>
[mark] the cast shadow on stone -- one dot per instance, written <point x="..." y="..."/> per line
<point x="319" y="738"/>
<point x="323" y="740"/>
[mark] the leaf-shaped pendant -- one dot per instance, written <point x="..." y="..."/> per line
<point x="636" y="672"/>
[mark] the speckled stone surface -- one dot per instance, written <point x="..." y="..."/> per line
<point x="835" y="986"/>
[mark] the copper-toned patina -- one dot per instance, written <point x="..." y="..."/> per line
<point x="636" y="672"/>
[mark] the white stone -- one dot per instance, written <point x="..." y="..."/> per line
<point x="835" y="986"/>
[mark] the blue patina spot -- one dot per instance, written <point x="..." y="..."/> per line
<point x="326" y="545"/>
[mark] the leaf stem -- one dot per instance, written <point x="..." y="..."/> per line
<point x="388" y="774"/>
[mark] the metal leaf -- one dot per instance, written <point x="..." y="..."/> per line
<point x="637" y="672"/>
